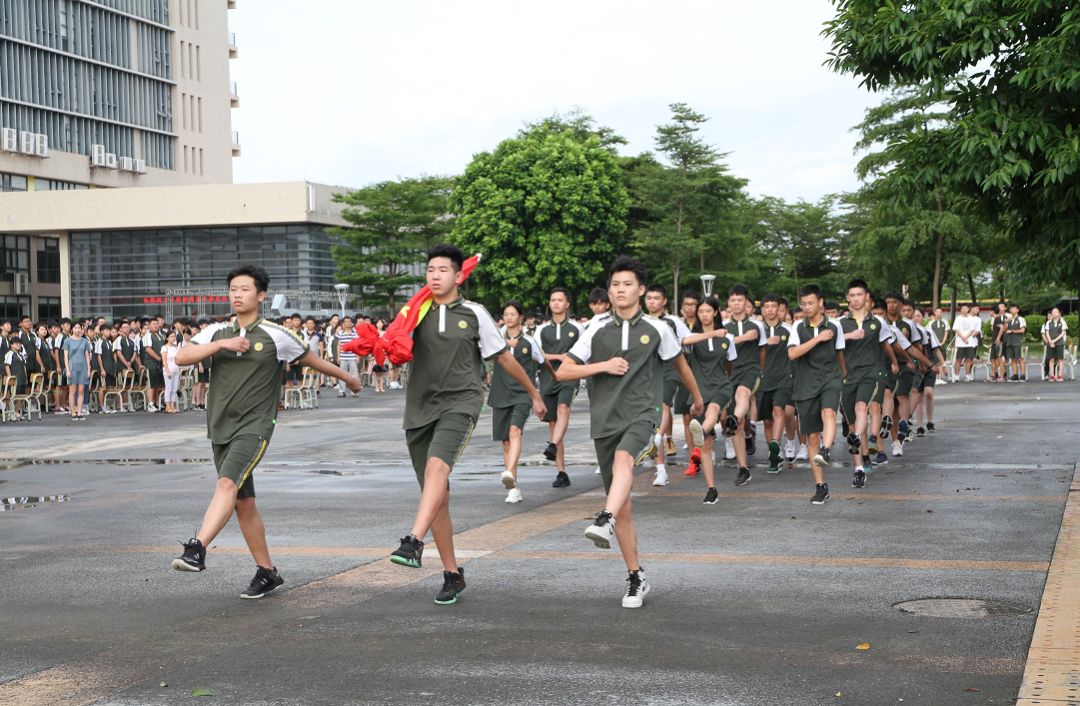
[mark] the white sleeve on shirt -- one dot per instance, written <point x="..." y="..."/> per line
<point x="207" y="334"/>
<point x="732" y="356"/>
<point x="838" y="335"/>
<point x="793" y="339"/>
<point x="491" y="341"/>
<point x="582" y="350"/>
<point x="289" y="345"/>
<point x="761" y="340"/>
<point x="537" y="354"/>
<point x="146" y="341"/>
<point x="8" y="357"/>
<point x="885" y="332"/>
<point x="669" y="345"/>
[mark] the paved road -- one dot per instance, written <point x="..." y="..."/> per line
<point x="760" y="599"/>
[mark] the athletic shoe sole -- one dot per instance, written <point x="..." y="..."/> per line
<point x="697" y="433"/>
<point x="250" y="598"/>
<point x="597" y="538"/>
<point x="508" y="481"/>
<point x="820" y="460"/>
<point x="820" y="502"/>
<point x="740" y="482"/>
<point x="181" y="565"/>
<point x="402" y="561"/>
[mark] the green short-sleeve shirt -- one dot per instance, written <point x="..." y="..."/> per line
<point x="747" y="351"/>
<point x="556" y="339"/>
<point x="819" y="368"/>
<point x="505" y="390"/>
<point x="450" y="345"/>
<point x="777" y="373"/>
<point x="863" y="355"/>
<point x="708" y="359"/>
<point x="246" y="387"/>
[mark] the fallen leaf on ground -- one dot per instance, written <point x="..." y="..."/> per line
<point x="972" y="690"/>
<point x="863" y="646"/>
<point x="201" y="692"/>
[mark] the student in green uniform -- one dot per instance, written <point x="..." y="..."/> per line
<point x="509" y="401"/>
<point x="656" y="302"/>
<point x="817" y="348"/>
<point x="153" y="340"/>
<point x="443" y="401"/>
<point x="711" y="353"/>
<point x="626" y="356"/>
<point x="774" y="394"/>
<point x="688" y="313"/>
<point x="15" y="365"/>
<point x="1014" y="344"/>
<point x="249" y="355"/>
<point x="29" y="339"/>
<point x="998" y="324"/>
<point x="556" y="337"/>
<point x="1055" y="332"/>
<point x="865" y="341"/>
<point x="745" y="375"/>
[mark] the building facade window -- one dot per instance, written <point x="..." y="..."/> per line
<point x="14" y="255"/>
<point x="47" y="251"/>
<point x="49" y="308"/>
<point x="12" y="182"/>
<point x="12" y="308"/>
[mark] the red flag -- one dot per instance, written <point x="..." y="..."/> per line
<point x="396" y="342"/>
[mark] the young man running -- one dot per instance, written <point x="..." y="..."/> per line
<point x="902" y="394"/>
<point x="626" y="356"/>
<point x="509" y="401"/>
<point x="656" y="306"/>
<point x="750" y="343"/>
<point x="924" y="411"/>
<point x="774" y="395"/>
<point x="712" y="351"/>
<point x="688" y="313"/>
<point x="866" y="339"/>
<point x="249" y="356"/>
<point x="442" y="402"/>
<point x="817" y="348"/>
<point x="556" y="337"/>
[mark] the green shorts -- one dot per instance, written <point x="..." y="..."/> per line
<point x="855" y="392"/>
<point x="237" y="459"/>
<point x="682" y="401"/>
<point x="903" y="382"/>
<point x="995" y="351"/>
<point x="1014" y="351"/>
<point x="750" y="378"/>
<point x="768" y="399"/>
<point x="564" y="394"/>
<point x="810" y="410"/>
<point x="929" y="379"/>
<point x="916" y="381"/>
<point x="444" y="439"/>
<point x="1056" y="352"/>
<point x="635" y="440"/>
<point x="879" y="391"/>
<point x="671" y="387"/>
<point x="502" y="418"/>
<point x="965" y="353"/>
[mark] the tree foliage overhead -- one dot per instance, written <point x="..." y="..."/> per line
<point x="546" y="208"/>
<point x="392" y="223"/>
<point x="1008" y="72"/>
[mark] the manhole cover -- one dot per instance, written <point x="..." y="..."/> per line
<point x="961" y="608"/>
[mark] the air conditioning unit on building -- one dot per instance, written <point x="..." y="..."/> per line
<point x="97" y="155"/>
<point x="42" y="146"/>
<point x="110" y="160"/>
<point x="28" y="142"/>
<point x="9" y="139"/>
<point x="22" y="283"/>
<point x="140" y="166"/>
<point x="127" y="164"/>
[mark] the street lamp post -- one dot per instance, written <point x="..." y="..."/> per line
<point x="707" y="282"/>
<point x="342" y="295"/>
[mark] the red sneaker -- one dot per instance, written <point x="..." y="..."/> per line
<point x="695" y="463"/>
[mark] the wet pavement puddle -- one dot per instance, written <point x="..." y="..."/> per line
<point x="28" y="501"/>
<point x="12" y="464"/>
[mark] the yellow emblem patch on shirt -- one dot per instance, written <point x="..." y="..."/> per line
<point x="571" y="334"/>
<point x="783" y="338"/>
<point x="259" y="346"/>
<point x="873" y="327"/>
<point x="644" y="339"/>
<point x="524" y="349"/>
<point x="462" y="324"/>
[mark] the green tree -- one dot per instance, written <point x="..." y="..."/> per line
<point x="1009" y="76"/>
<point x="546" y="208"/>
<point x="688" y="204"/>
<point x="800" y="244"/>
<point x="392" y="223"/>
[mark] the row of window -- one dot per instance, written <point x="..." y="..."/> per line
<point x="153" y="10"/>
<point x="154" y="50"/>
<point x="39" y="77"/>
<point x="191" y="109"/>
<point x="15" y="251"/>
<point x="12" y="308"/>
<point x="190" y="60"/>
<point x="71" y="26"/>
<point x="189" y="13"/>
<point x="18" y="182"/>
<point x="77" y="134"/>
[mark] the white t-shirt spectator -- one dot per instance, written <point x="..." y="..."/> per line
<point x="968" y="326"/>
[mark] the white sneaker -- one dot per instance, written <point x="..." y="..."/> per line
<point x="598" y="472"/>
<point x="789" y="450"/>
<point x="729" y="449"/>
<point x="509" y="482"/>
<point x="697" y="434"/>
<point x="151" y="408"/>
<point x="661" y="477"/>
<point x="636" y="588"/>
<point x="897" y="449"/>
<point x="803" y="454"/>
<point x="602" y="530"/>
<point x="514" y="496"/>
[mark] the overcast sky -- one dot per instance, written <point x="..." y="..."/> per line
<point x="350" y="92"/>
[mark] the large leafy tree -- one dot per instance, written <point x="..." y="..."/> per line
<point x="688" y="200"/>
<point x="391" y="224"/>
<point x="1013" y="137"/>
<point x="799" y="244"/>
<point x="546" y="208"/>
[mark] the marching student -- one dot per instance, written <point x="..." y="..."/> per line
<point x="626" y="357"/>
<point x="656" y="306"/>
<point x="774" y="403"/>
<point x="556" y="336"/>
<point x="817" y="348"/>
<point x="688" y="313"/>
<point x="745" y="376"/>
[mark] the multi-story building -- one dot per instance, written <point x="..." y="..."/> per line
<point x="107" y="93"/>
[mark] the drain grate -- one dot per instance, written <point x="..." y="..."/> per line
<point x="961" y="608"/>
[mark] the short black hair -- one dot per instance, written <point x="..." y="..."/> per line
<point x="858" y="284"/>
<point x="771" y="297"/>
<point x="657" y="288"/>
<point x="739" y="290"/>
<point x="516" y="305"/>
<point x="625" y="263"/>
<point x="262" y="280"/>
<point x="809" y="290"/>
<point x="713" y="301"/>
<point x="24" y="317"/>
<point x="563" y="291"/>
<point x="450" y="252"/>
<point x="598" y="295"/>
<point x="831" y="305"/>
<point x="691" y="294"/>
<point x="893" y="295"/>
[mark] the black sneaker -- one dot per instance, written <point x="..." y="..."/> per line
<point x="453" y="584"/>
<point x="751" y="445"/>
<point x="886" y="426"/>
<point x="193" y="558"/>
<point x="561" y="480"/>
<point x="921" y="431"/>
<point x="774" y="457"/>
<point x="822" y="458"/>
<point x="731" y="425"/>
<point x="930" y="427"/>
<point x="265" y="580"/>
<point x="711" y="496"/>
<point x="551" y="451"/>
<point x="821" y="494"/>
<point x="858" y="480"/>
<point x="854" y="444"/>
<point x="409" y="553"/>
<point x="902" y="431"/>
<point x="744" y="476"/>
